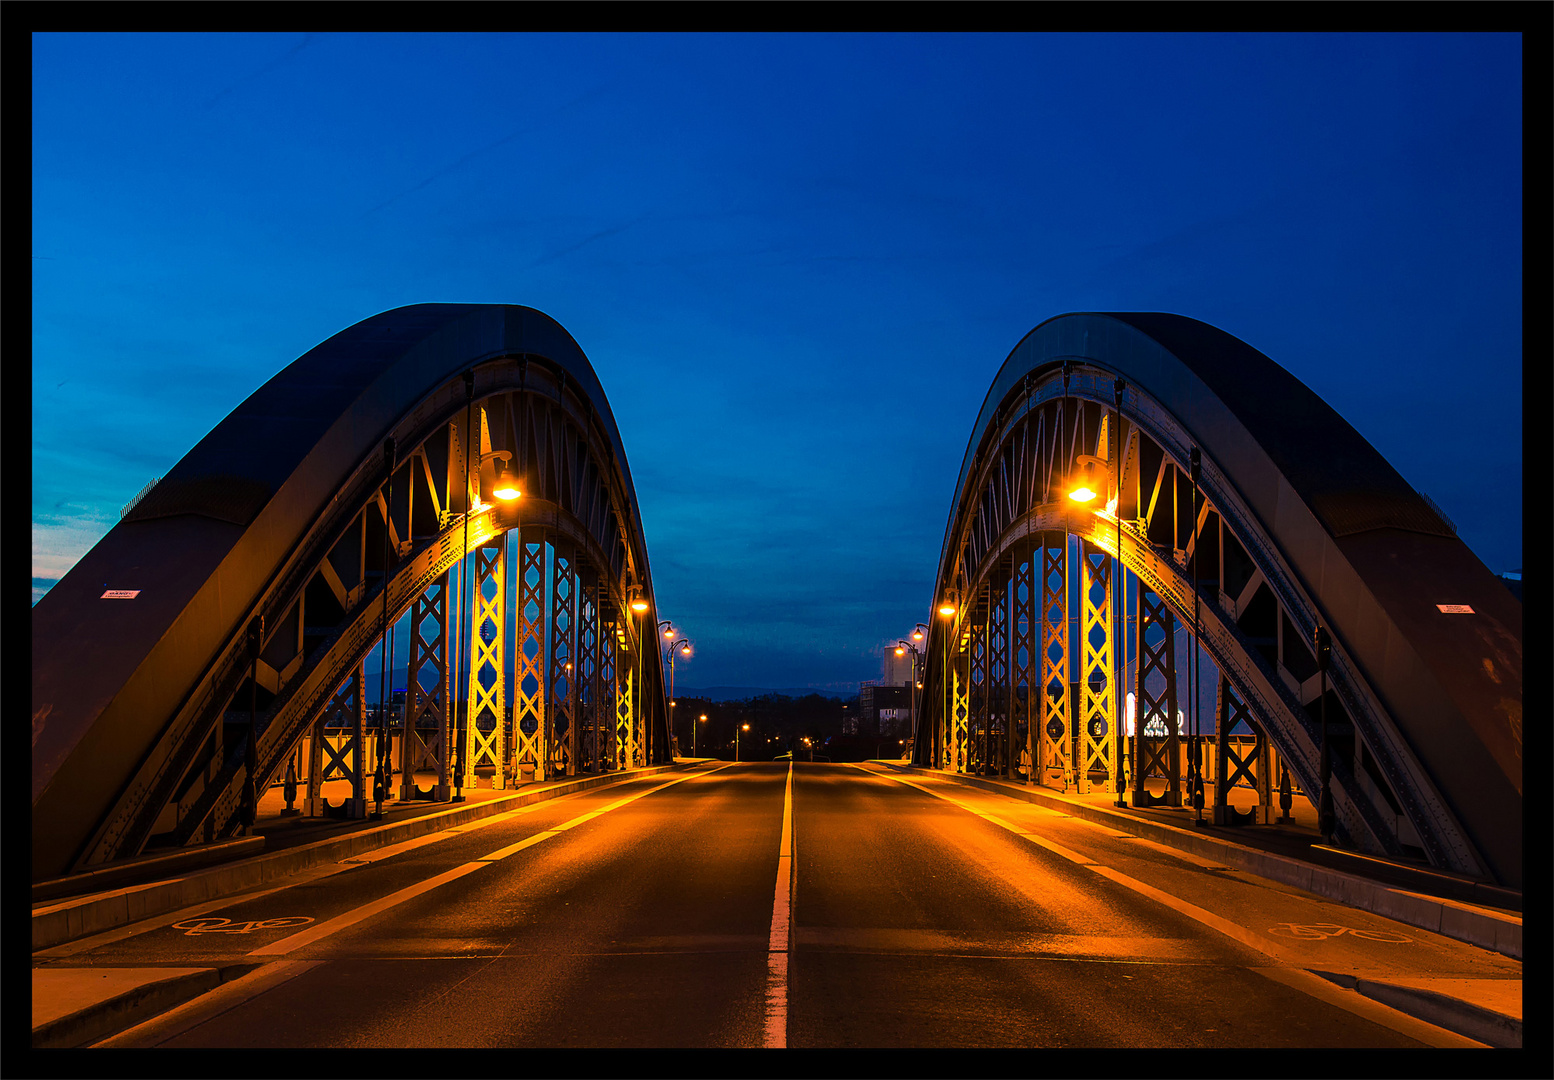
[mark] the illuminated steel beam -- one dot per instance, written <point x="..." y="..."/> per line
<point x="530" y="730"/>
<point x="485" y="737"/>
<point x="1097" y="729"/>
<point x="1056" y="759"/>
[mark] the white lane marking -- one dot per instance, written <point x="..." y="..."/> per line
<point x="366" y="911"/>
<point x="208" y="1006"/>
<point x="777" y="942"/>
<point x="1296" y="978"/>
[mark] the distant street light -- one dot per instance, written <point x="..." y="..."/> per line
<point x="702" y="719"/>
<point x="737" y="730"/>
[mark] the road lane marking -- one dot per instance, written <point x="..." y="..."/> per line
<point x="1293" y="977"/>
<point x="351" y="918"/>
<point x="208" y="1006"/>
<point x="777" y="942"/>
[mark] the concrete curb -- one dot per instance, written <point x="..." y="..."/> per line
<point x="114" y="1014"/>
<point x="1465" y="922"/>
<point x="56" y="924"/>
<point x="1442" y="1010"/>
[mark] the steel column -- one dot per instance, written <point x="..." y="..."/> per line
<point x="529" y="727"/>
<point x="1156" y="749"/>
<point x="1056" y="758"/>
<point x="1024" y="713"/>
<point x="1098" y="719"/>
<point x="563" y="647"/>
<point x="485" y="739"/>
<point x="346" y="711"/>
<point x="1232" y="765"/>
<point x="425" y="737"/>
<point x="996" y="693"/>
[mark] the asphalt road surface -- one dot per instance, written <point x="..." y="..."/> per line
<point x="657" y="914"/>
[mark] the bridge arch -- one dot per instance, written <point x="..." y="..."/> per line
<point x="1300" y="523"/>
<point x="291" y="510"/>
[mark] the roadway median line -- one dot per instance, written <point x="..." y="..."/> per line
<point x="1293" y="977"/>
<point x="350" y="918"/>
<point x="778" y="941"/>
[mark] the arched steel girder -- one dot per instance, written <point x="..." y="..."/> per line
<point x="1324" y="530"/>
<point x="279" y="512"/>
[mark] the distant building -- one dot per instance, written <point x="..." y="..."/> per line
<point x="885" y="710"/>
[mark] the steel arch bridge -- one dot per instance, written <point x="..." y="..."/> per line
<point x="1294" y="522"/>
<point x="353" y="487"/>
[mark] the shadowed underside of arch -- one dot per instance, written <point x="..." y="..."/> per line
<point x="1302" y="523"/>
<point x="282" y="511"/>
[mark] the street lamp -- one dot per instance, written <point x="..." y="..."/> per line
<point x="902" y="647"/>
<point x="702" y="719"/>
<point x="684" y="647"/>
<point x="737" y="730"/>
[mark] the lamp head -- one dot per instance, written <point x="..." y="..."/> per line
<point x="506" y="487"/>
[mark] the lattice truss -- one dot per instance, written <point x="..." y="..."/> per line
<point x="424" y="738"/>
<point x="1097" y="728"/>
<point x="1157" y="750"/>
<point x="605" y="682"/>
<point x="626" y="743"/>
<point x="1239" y="763"/>
<point x="337" y="745"/>
<point x="977" y="654"/>
<point x="1056" y="759"/>
<point x="997" y="739"/>
<point x="485" y="737"/>
<point x="529" y="728"/>
<point x="1022" y="661"/>
<point x="563" y="627"/>
<point x="589" y="751"/>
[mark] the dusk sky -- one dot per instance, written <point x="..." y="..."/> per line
<point x="795" y="262"/>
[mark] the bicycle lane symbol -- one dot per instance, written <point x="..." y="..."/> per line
<point x="214" y="925"/>
<point x="1323" y="931"/>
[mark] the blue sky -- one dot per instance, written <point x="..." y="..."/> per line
<point x="796" y="262"/>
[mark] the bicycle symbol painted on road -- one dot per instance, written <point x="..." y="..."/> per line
<point x="1322" y="931"/>
<point x="215" y="925"/>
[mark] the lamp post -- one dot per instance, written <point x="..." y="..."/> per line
<point x="683" y="646"/>
<point x="902" y="648"/>
<point x="702" y="719"/>
<point x="737" y="730"/>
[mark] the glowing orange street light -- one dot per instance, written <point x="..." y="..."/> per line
<point x="946" y="609"/>
<point x="1085" y="486"/>
<point x="506" y="487"/>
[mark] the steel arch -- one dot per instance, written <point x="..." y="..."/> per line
<point x="273" y="513"/>
<point x="1333" y="535"/>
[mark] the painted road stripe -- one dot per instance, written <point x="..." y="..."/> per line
<point x="777" y="943"/>
<point x="1295" y="978"/>
<point x="366" y="911"/>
